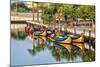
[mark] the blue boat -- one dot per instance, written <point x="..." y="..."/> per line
<point x="60" y="38"/>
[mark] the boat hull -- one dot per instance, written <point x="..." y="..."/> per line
<point x="79" y="40"/>
<point x="66" y="41"/>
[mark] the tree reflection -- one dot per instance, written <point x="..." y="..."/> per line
<point x="60" y="52"/>
<point x="38" y="46"/>
<point x="88" y="56"/>
<point x="56" y="54"/>
<point x="32" y="52"/>
<point x="18" y="35"/>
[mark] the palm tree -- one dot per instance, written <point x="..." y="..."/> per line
<point x="35" y="8"/>
<point x="42" y="7"/>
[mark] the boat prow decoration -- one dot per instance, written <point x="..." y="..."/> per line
<point x="43" y="34"/>
<point x="79" y="40"/>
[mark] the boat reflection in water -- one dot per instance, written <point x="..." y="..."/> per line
<point x="42" y="51"/>
<point x="62" y="51"/>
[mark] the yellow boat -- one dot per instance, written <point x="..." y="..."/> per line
<point x="43" y="34"/>
<point x="65" y="41"/>
<point x="79" y="40"/>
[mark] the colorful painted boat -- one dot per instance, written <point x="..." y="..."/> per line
<point x="79" y="40"/>
<point x="74" y="36"/>
<point x="29" y="30"/>
<point x="65" y="41"/>
<point x="61" y="40"/>
<point x="68" y="39"/>
<point x="43" y="33"/>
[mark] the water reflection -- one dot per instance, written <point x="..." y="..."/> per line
<point x="59" y="52"/>
<point x="74" y="52"/>
<point x="18" y="35"/>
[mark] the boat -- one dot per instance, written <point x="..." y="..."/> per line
<point x="31" y="30"/>
<point x="65" y="41"/>
<point x="49" y="33"/>
<point x="61" y="40"/>
<point x="67" y="38"/>
<point x="43" y="38"/>
<point x="43" y="33"/>
<point x="78" y="40"/>
<point x="27" y="30"/>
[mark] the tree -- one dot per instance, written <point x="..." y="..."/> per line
<point x="41" y="6"/>
<point x="86" y="12"/>
<point x="20" y="7"/>
<point x="49" y="12"/>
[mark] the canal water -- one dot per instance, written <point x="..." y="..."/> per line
<point x="33" y="50"/>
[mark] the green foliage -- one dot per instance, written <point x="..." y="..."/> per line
<point x="49" y="12"/>
<point x="47" y="17"/>
<point x="86" y="12"/>
<point x="68" y="10"/>
<point x="20" y="7"/>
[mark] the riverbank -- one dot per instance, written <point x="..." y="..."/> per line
<point x="75" y="30"/>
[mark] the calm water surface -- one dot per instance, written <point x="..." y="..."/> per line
<point x="27" y="50"/>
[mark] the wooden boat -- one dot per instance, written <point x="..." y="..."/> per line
<point x="79" y="40"/>
<point x="43" y="33"/>
<point x="51" y="39"/>
<point x="29" y="30"/>
<point x="67" y="40"/>
<point x="50" y="34"/>
<point x="61" y="40"/>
